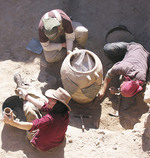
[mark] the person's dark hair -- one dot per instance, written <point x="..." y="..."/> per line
<point x="60" y="108"/>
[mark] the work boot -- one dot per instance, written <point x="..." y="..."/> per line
<point x="18" y="80"/>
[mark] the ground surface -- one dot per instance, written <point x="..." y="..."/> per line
<point x="116" y="137"/>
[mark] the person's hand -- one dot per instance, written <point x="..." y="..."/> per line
<point x="101" y="94"/>
<point x="63" y="45"/>
<point x="8" y="120"/>
<point x="22" y="93"/>
<point x="69" y="52"/>
<point x="113" y="90"/>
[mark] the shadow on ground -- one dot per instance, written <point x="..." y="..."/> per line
<point x="14" y="136"/>
<point x="91" y="113"/>
<point x="132" y="115"/>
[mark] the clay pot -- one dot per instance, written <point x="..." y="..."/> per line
<point x="15" y="104"/>
<point x="83" y="86"/>
<point x="7" y="111"/>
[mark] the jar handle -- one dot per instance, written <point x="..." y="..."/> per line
<point x="96" y="74"/>
<point x="89" y="78"/>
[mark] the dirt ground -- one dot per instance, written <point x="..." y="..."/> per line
<point x="104" y="136"/>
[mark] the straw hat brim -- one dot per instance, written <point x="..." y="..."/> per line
<point x="51" y="94"/>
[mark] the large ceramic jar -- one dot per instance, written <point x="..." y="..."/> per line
<point x="81" y="75"/>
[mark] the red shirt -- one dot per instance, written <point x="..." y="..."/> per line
<point x="52" y="128"/>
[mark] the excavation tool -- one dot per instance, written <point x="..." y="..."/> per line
<point x="117" y="113"/>
<point x="82" y="122"/>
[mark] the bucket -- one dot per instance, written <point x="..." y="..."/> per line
<point x="81" y="75"/>
<point x="14" y="104"/>
<point x="115" y="43"/>
<point x="119" y="34"/>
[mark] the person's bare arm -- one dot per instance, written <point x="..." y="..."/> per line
<point x="102" y="91"/>
<point x="69" y="41"/>
<point x="17" y="124"/>
<point x="34" y="101"/>
<point x="107" y="80"/>
<point x="24" y="95"/>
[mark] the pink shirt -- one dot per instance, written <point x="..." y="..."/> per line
<point x="52" y="128"/>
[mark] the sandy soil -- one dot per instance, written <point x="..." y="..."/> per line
<point x="104" y="136"/>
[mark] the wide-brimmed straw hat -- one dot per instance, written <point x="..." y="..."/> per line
<point x="59" y="94"/>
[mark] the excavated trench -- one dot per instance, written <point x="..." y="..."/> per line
<point x="99" y="17"/>
<point x="102" y="19"/>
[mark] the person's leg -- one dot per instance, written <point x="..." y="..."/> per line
<point x="115" y="51"/>
<point x="55" y="56"/>
<point x="28" y="87"/>
<point x="31" y="112"/>
<point x="81" y="34"/>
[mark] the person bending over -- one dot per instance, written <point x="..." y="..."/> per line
<point x="133" y="67"/>
<point x="57" y="33"/>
